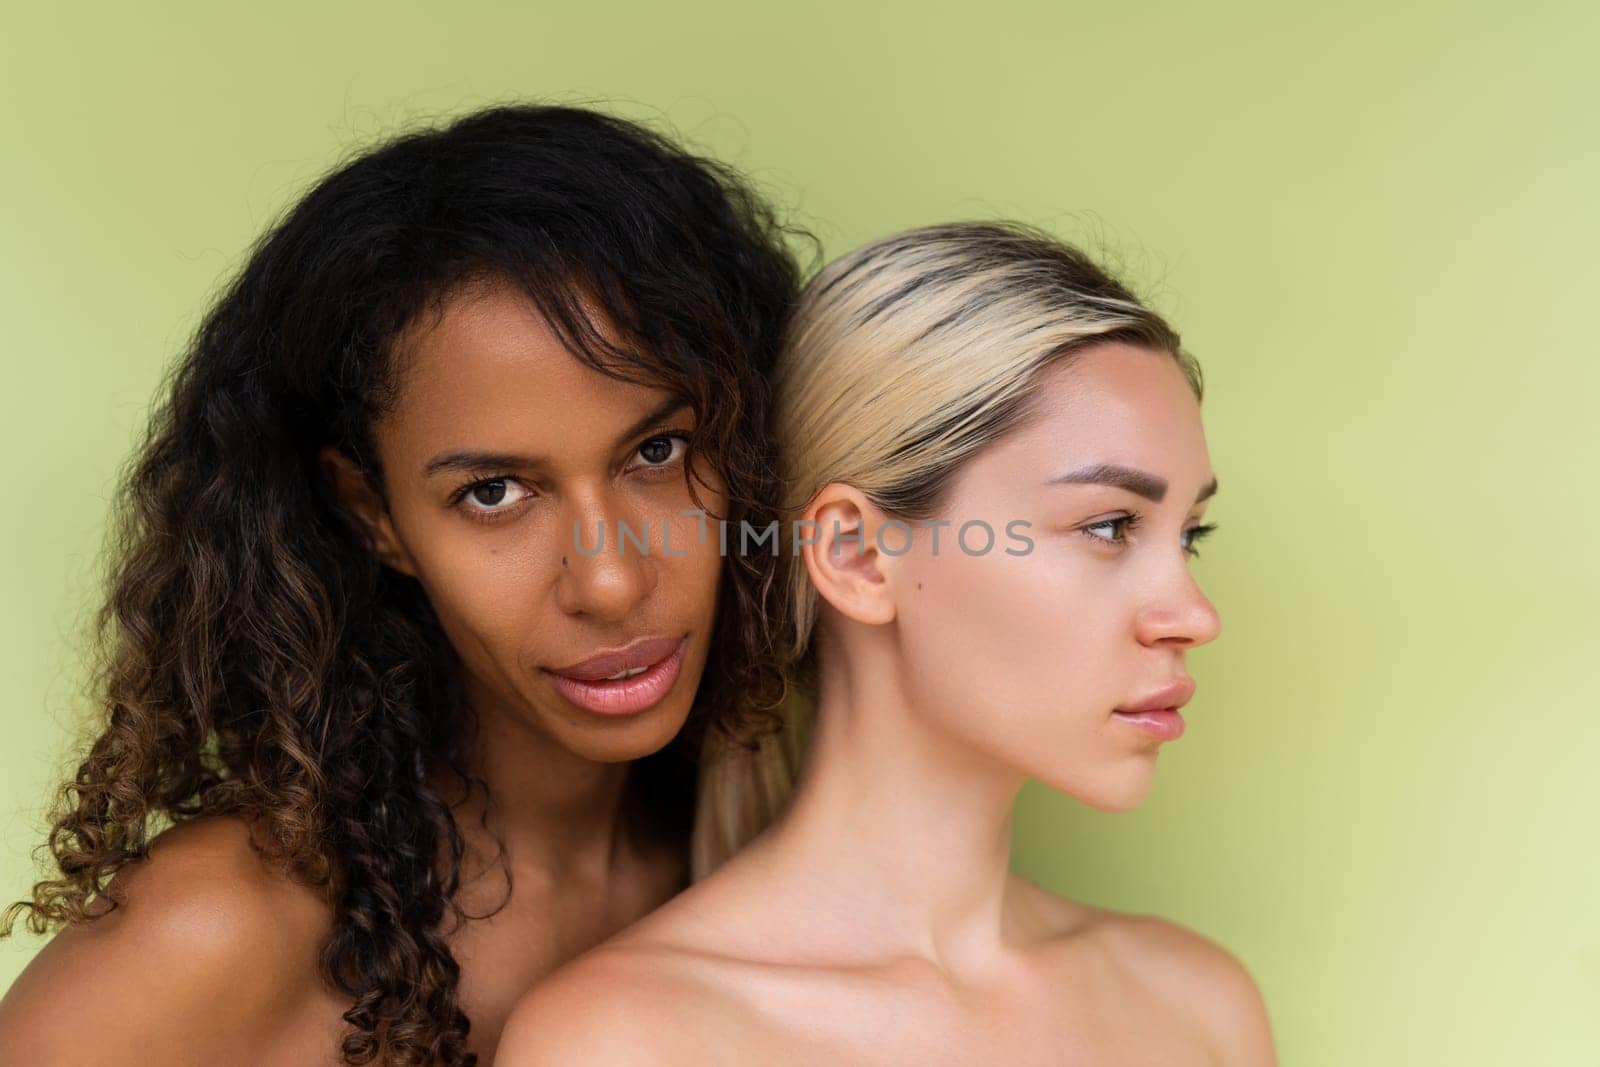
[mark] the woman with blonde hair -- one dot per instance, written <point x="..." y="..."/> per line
<point x="995" y="476"/>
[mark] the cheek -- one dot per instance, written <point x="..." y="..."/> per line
<point x="484" y="583"/>
<point x="487" y="602"/>
<point x="1012" y="651"/>
<point x="687" y="551"/>
<point x="687" y="536"/>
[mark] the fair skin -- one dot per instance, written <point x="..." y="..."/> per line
<point x="878" y="921"/>
<point x="212" y="957"/>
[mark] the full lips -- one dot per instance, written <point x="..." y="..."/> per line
<point x="1165" y="723"/>
<point x="627" y="696"/>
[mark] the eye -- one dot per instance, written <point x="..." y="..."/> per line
<point x="1195" y="534"/>
<point x="1121" y="524"/>
<point x="663" y="450"/>
<point x="490" y="497"/>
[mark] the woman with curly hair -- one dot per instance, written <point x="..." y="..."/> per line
<point x="414" y="636"/>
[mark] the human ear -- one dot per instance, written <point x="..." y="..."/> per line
<point x="361" y="502"/>
<point x="848" y="569"/>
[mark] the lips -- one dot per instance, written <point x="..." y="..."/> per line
<point x="1171" y="698"/>
<point x="1157" y="714"/>
<point x="648" y="669"/>
<point x="646" y="652"/>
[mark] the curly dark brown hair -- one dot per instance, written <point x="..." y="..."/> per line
<point x="255" y="659"/>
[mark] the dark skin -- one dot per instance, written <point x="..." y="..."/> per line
<point x="493" y="548"/>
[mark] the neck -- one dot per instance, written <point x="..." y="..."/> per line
<point x="557" y="813"/>
<point x="899" y="824"/>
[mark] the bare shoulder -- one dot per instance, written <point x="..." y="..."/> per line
<point x="624" y="1003"/>
<point x="206" y="890"/>
<point x="202" y="912"/>
<point x="1197" y="977"/>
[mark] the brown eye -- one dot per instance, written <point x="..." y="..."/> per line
<point x="490" y="498"/>
<point x="661" y="450"/>
<point x="657" y="450"/>
<point x="489" y="493"/>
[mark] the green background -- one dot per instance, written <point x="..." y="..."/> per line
<point x="1375" y="227"/>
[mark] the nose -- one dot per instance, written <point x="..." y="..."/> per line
<point x="1181" y="615"/>
<point x="606" y="570"/>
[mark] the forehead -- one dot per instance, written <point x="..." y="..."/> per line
<point x="1113" y="403"/>
<point x="487" y="368"/>
<point x="1118" y="394"/>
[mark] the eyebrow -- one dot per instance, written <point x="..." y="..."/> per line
<point x="464" y="459"/>
<point x="1143" y="483"/>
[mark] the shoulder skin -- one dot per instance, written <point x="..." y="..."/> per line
<point x="1200" y="979"/>
<point x="616" y="1007"/>
<point x="208" y="951"/>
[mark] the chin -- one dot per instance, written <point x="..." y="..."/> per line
<point x="1118" y="804"/>
<point x="646" y="733"/>
<point x="1110" y="790"/>
<point x="626" y="744"/>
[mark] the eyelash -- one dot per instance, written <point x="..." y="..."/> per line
<point x="1132" y="521"/>
<point x="478" y="514"/>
